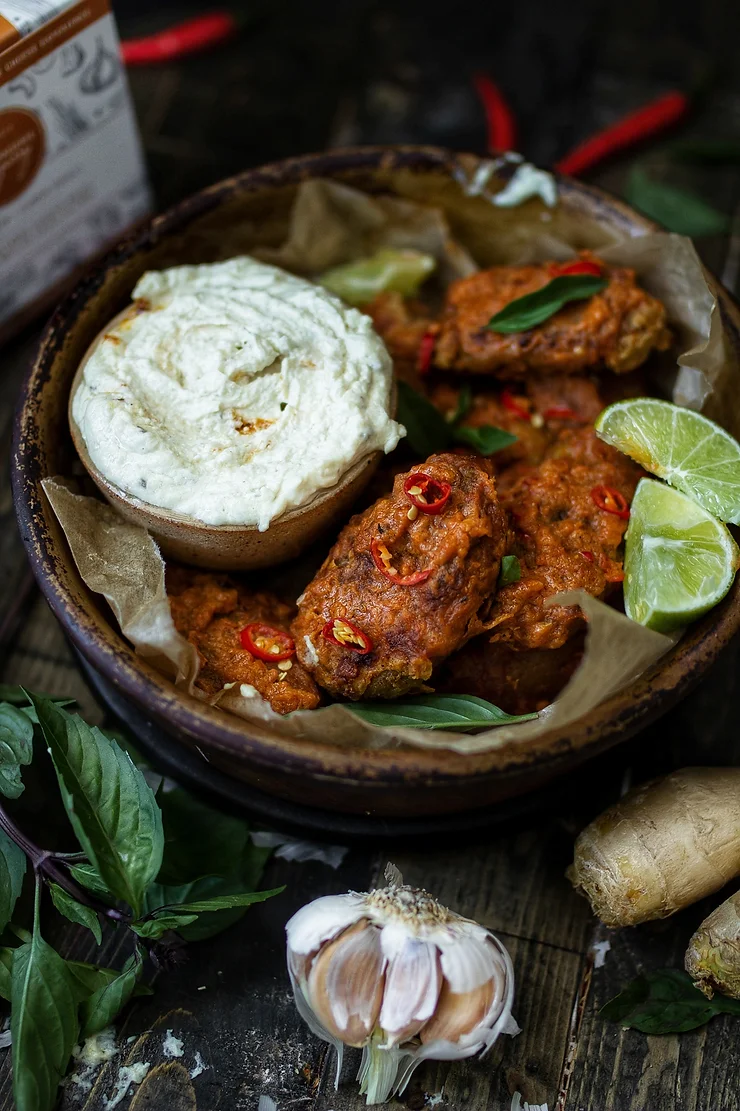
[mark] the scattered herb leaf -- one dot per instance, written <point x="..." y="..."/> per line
<point x="16" y="749"/>
<point x="534" y="308"/>
<point x="76" y="912"/>
<point x="436" y="711"/>
<point x="428" y="432"/>
<point x="109" y="803"/>
<point x="511" y="571"/>
<point x="666" y="1002"/>
<point x="486" y="439"/>
<point x="676" y="209"/>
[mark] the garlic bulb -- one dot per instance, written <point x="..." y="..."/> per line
<point x="394" y="972"/>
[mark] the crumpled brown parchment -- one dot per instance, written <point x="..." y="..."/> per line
<point x="331" y="224"/>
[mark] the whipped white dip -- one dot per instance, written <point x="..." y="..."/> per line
<point x="238" y="393"/>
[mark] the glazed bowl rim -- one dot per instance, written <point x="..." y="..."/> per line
<point x="617" y="717"/>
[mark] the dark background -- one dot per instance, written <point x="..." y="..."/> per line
<point x="302" y="77"/>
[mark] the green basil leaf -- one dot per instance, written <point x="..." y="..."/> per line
<point x="460" y="712"/>
<point x="154" y="928"/>
<point x="43" y="1023"/>
<point x="511" y="571"/>
<point x="6" y="972"/>
<point x="16" y="749"/>
<point x="15" y="694"/>
<point x="102" y="1007"/>
<point x="705" y="152"/>
<point x="534" y="308"/>
<point x="665" y="1002"/>
<point x="76" y="912"/>
<point x="88" y="876"/>
<point x="389" y="270"/>
<point x="426" y="429"/>
<point x="12" y="871"/>
<point x="111" y="807"/>
<point x="90" y="978"/>
<point x="676" y="209"/>
<point x="223" y="902"/>
<point x="206" y="887"/>
<point x="464" y="403"/>
<point x="200" y="841"/>
<point x="486" y="438"/>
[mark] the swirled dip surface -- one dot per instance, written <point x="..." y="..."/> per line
<point x="237" y="393"/>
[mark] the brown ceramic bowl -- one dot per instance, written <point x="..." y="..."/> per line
<point x="225" y="547"/>
<point x="226" y="219"/>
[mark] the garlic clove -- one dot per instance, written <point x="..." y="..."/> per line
<point x="322" y="920"/>
<point x="412" y="986"/>
<point x="346" y="982"/>
<point x="458" y="1013"/>
<point x="468" y="958"/>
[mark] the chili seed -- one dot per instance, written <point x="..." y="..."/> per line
<point x="284" y="665"/>
<point x="537" y="420"/>
<point x="413" y="513"/>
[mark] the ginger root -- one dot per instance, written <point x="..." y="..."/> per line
<point x="713" y="955"/>
<point x="664" y="845"/>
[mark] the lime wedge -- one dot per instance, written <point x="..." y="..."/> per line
<point x="688" y="450"/>
<point x="679" y="560"/>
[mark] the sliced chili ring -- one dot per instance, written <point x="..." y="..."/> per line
<point x="382" y="559"/>
<point x="578" y="266"/>
<point x="265" y="642"/>
<point x="560" y="412"/>
<point x="426" y="351"/>
<point x="517" y="406"/>
<point x="345" y="634"/>
<point x="588" y="556"/>
<point x="426" y="493"/>
<point x="611" y="501"/>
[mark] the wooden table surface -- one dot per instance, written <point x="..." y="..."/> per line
<point x="305" y="77"/>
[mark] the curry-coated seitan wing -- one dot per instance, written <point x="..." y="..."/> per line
<point x="213" y="612"/>
<point x="569" y="516"/>
<point x="615" y="328"/>
<point x="403" y="586"/>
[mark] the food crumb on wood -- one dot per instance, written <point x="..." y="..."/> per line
<point x="172" y="1046"/>
<point x="599" y="950"/>
<point x="128" y="1075"/>
<point x="517" y="1105"/>
<point x="266" y="1103"/>
<point x="202" y="987"/>
<point x="198" y="1067"/>
<point x="88" y="1058"/>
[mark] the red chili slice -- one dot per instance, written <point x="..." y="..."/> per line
<point x="426" y="493"/>
<point x="560" y="412"/>
<point x="267" y="643"/>
<point x="588" y="556"/>
<point x="578" y="266"/>
<point x="611" y="501"/>
<point x="515" y="405"/>
<point x="426" y="351"/>
<point x="382" y="560"/>
<point x="344" y="634"/>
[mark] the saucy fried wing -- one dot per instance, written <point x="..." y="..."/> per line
<point x="213" y="612"/>
<point x="616" y="328"/>
<point x="403" y="586"/>
<point x="569" y="516"/>
<point x="402" y="325"/>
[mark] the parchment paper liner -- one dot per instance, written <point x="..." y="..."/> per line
<point x="333" y="223"/>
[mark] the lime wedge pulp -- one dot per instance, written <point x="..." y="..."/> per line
<point x="686" y="449"/>
<point x="679" y="560"/>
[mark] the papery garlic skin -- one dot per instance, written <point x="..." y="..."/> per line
<point x="396" y="973"/>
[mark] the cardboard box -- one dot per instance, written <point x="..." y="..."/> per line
<point x="72" y="173"/>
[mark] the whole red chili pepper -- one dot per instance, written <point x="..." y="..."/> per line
<point x="344" y="634"/>
<point x="611" y="501"/>
<point x="515" y="405"/>
<point x="578" y="266"/>
<point x="382" y="560"/>
<point x="267" y="643"/>
<point x="641" y="124"/>
<point x="425" y="493"/>
<point x="426" y="351"/>
<point x="560" y="412"/>
<point x="500" y="122"/>
<point x="185" y="38"/>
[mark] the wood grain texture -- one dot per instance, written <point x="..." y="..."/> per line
<point x="376" y="72"/>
